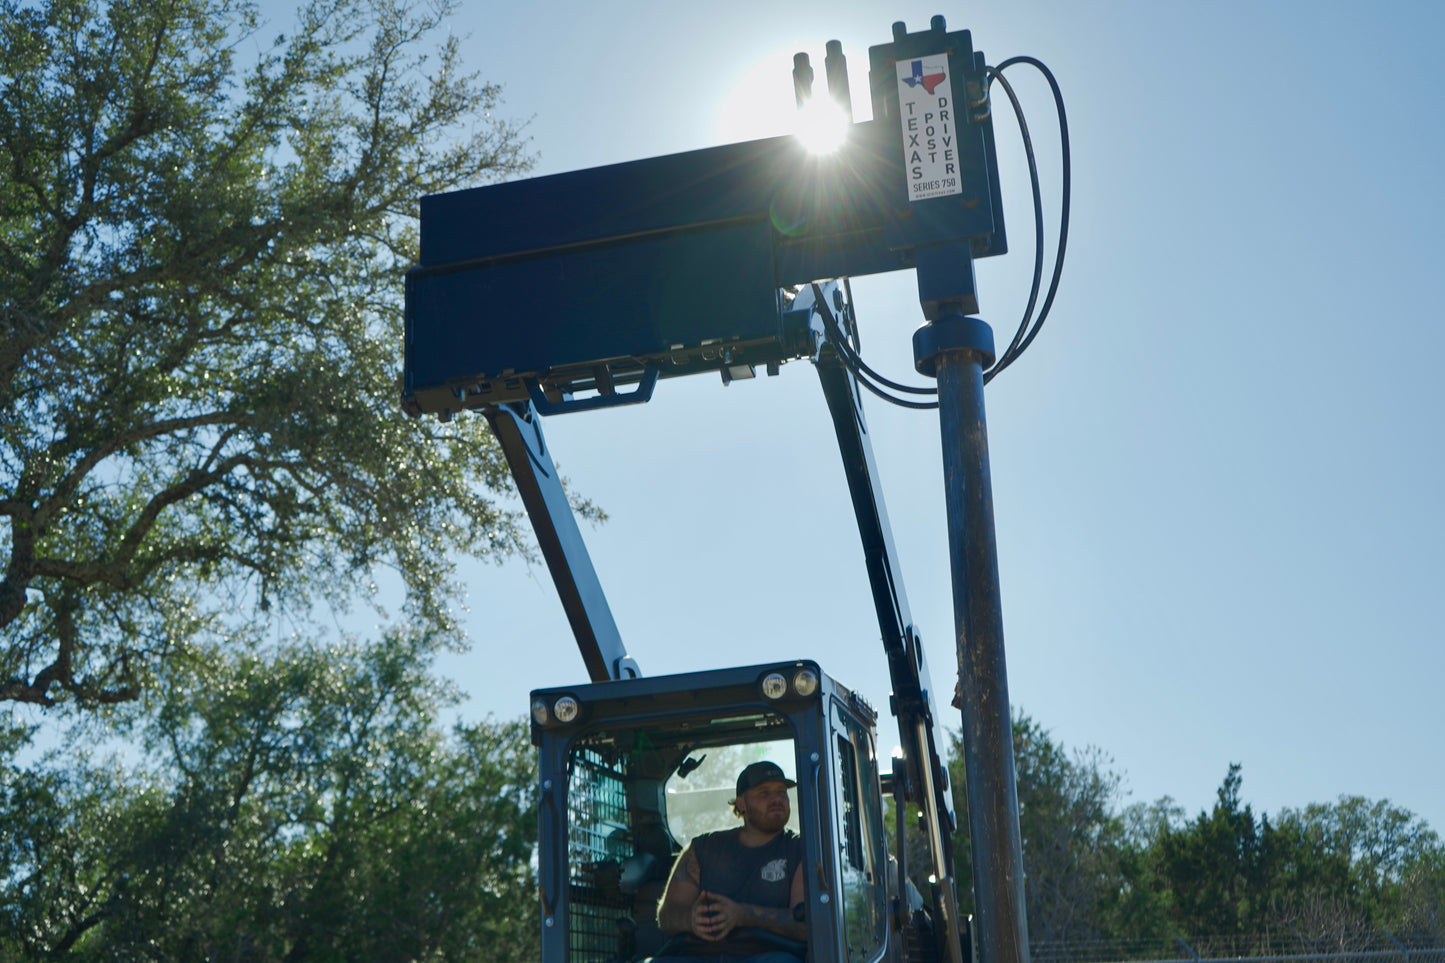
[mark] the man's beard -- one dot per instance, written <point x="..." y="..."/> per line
<point x="769" y="821"/>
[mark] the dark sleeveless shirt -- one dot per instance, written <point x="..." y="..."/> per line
<point x="762" y="876"/>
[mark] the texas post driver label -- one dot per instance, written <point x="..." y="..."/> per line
<point x="930" y="145"/>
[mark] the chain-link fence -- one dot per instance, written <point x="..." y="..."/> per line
<point x="1378" y="946"/>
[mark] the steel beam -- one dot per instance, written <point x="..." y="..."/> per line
<point x="518" y="429"/>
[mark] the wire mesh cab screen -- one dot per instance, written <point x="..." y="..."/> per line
<point x="635" y="797"/>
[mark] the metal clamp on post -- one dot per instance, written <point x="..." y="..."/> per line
<point x="952" y="333"/>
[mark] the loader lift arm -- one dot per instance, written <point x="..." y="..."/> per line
<point x="518" y="430"/>
<point x="926" y="776"/>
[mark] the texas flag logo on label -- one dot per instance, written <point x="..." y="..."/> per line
<point x="930" y="141"/>
<point x="920" y="79"/>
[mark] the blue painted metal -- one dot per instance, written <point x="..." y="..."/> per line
<point x="953" y="333"/>
<point x="920" y="732"/>
<point x="907" y="663"/>
<point x="719" y="692"/>
<point x="955" y="349"/>
<point x="583" y="280"/>
<point x="533" y="293"/>
<point x="607" y="395"/>
<point x="519" y="432"/>
<point x="945" y="280"/>
<point x="938" y="221"/>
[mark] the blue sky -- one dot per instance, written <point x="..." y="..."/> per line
<point x="1217" y="473"/>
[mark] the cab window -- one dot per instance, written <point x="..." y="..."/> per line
<point x="635" y="797"/>
<point x="699" y="794"/>
<point x="857" y="807"/>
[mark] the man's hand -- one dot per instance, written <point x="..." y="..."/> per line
<point x="714" y="916"/>
<point x="687" y="908"/>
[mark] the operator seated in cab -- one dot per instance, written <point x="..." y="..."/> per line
<point x="751" y="877"/>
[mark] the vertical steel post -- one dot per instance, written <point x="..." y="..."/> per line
<point x="955" y="349"/>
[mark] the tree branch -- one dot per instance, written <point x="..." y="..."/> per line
<point x="65" y="490"/>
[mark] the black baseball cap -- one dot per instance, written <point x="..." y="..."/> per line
<point x="760" y="772"/>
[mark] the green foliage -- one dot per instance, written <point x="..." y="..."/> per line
<point x="1386" y="862"/>
<point x="1215" y="867"/>
<point x="297" y="805"/>
<point x="1138" y="906"/>
<point x="1328" y="877"/>
<point x="1069" y="827"/>
<point x="203" y="237"/>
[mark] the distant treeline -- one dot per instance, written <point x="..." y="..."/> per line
<point x="1325" y="878"/>
<point x="306" y="802"/>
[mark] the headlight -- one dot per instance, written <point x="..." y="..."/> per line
<point x="539" y="712"/>
<point x="565" y="709"/>
<point x="805" y="682"/>
<point x="774" y="685"/>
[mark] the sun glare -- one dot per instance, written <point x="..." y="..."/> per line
<point x="760" y="103"/>
<point x="822" y="125"/>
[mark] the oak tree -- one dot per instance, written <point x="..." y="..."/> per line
<point x="204" y="227"/>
